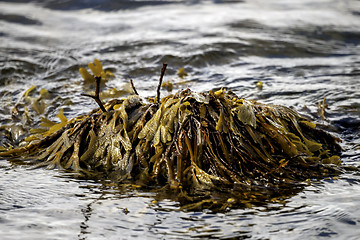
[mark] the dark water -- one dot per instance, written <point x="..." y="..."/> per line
<point x="302" y="52"/>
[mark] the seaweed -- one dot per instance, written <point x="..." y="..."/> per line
<point x="198" y="145"/>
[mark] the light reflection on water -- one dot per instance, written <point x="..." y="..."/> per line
<point x="302" y="51"/>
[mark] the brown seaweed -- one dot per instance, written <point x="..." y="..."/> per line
<point x="193" y="143"/>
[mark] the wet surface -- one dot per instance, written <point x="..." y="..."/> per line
<point x="301" y="51"/>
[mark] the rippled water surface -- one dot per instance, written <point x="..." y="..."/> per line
<point x="302" y="52"/>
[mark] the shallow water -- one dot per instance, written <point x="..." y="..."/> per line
<point x="302" y="51"/>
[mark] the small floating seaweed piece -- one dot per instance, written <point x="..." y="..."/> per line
<point x="182" y="73"/>
<point x="36" y="103"/>
<point x="259" y="85"/>
<point x="192" y="142"/>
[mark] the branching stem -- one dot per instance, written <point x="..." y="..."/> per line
<point x="97" y="93"/>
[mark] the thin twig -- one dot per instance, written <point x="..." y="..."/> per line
<point x="97" y="93"/>
<point x="97" y="89"/>
<point x="160" y="81"/>
<point x="133" y="87"/>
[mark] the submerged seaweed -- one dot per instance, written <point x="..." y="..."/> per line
<point x="197" y="144"/>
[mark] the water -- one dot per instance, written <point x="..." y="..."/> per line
<point x="302" y="51"/>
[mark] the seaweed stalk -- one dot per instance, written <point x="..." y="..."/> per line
<point x="97" y="93"/>
<point x="160" y="82"/>
<point x="133" y="87"/>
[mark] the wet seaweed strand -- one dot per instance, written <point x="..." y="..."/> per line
<point x="188" y="140"/>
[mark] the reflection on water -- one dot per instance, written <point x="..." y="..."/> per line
<point x="56" y="207"/>
<point x="302" y="51"/>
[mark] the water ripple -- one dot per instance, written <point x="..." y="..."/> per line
<point x="302" y="53"/>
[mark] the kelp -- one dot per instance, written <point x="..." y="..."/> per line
<point x="197" y="145"/>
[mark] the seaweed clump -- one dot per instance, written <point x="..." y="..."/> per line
<point x="193" y="143"/>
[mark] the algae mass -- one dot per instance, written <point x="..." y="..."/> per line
<point x="195" y="144"/>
